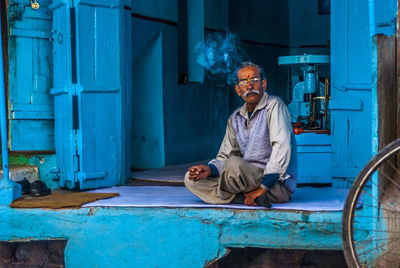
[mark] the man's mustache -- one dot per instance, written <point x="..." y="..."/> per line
<point x="252" y="91"/>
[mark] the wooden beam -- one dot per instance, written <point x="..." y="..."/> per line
<point x="398" y="70"/>
<point x="387" y="89"/>
<point x="387" y="101"/>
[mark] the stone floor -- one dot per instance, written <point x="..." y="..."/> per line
<point x="169" y="174"/>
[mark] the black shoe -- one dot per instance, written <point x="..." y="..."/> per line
<point x="263" y="201"/>
<point x="39" y="188"/>
<point x="26" y="186"/>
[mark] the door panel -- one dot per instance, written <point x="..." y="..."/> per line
<point x="31" y="114"/>
<point x="99" y="97"/>
<point x="88" y="106"/>
<point x="350" y="103"/>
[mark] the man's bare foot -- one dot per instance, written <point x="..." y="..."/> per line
<point x="250" y="197"/>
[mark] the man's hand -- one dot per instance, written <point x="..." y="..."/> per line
<point x="199" y="172"/>
<point x="251" y="196"/>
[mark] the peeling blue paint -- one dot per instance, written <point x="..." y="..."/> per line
<point x="374" y="98"/>
<point x="385" y="14"/>
<point x="47" y="168"/>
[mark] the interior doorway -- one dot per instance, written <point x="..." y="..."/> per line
<point x="147" y="135"/>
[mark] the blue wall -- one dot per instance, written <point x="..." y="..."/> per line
<point x="261" y="21"/>
<point x="263" y="27"/>
<point x="147" y="134"/>
<point x="195" y="121"/>
<point x="309" y="31"/>
<point x="216" y="14"/>
<point x="193" y="115"/>
<point x="163" y="9"/>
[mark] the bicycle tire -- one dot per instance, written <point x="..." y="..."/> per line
<point x="357" y="190"/>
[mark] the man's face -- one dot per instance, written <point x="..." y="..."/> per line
<point x="250" y="86"/>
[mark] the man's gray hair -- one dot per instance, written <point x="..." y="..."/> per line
<point x="250" y="64"/>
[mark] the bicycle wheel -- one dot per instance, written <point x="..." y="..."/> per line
<point x="371" y="215"/>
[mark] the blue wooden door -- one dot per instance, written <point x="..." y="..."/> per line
<point x="87" y="93"/>
<point x="31" y="115"/>
<point x="63" y="91"/>
<point x="351" y="87"/>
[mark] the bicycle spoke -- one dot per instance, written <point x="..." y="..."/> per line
<point x="383" y="205"/>
<point x="390" y="179"/>
<point x="387" y="252"/>
<point x="377" y="231"/>
<point x="397" y="197"/>
<point x="377" y="199"/>
<point x="391" y="210"/>
<point x="391" y="164"/>
<point x="370" y="240"/>
<point x="388" y="260"/>
<point x="381" y="246"/>
<point x="385" y="218"/>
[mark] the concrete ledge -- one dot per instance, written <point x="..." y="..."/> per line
<point x="177" y="237"/>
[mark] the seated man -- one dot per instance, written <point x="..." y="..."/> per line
<point x="255" y="164"/>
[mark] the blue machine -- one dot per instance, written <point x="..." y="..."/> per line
<point x="308" y="96"/>
<point x="309" y="113"/>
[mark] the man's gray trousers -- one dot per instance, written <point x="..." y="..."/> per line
<point x="238" y="176"/>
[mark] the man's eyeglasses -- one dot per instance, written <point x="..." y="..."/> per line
<point x="253" y="81"/>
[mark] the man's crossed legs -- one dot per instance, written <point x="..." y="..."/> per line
<point x="238" y="177"/>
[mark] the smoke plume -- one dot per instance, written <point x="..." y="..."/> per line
<point x="220" y="54"/>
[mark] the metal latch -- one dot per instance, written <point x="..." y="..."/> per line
<point x="35" y="5"/>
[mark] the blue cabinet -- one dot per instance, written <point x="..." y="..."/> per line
<point x="314" y="158"/>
